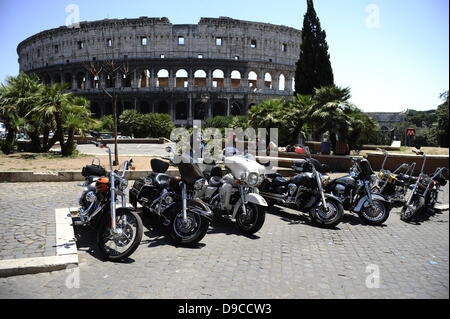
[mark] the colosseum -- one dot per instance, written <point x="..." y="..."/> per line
<point x="220" y="66"/>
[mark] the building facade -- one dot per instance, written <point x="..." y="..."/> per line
<point x="220" y="66"/>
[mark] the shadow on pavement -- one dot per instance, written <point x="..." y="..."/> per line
<point x="155" y="233"/>
<point x="87" y="241"/>
<point x="225" y="226"/>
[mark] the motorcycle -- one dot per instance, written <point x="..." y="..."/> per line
<point x="119" y="230"/>
<point x="305" y="192"/>
<point x="235" y="195"/>
<point x="355" y="192"/>
<point x="424" y="192"/>
<point x="394" y="185"/>
<point x="173" y="201"/>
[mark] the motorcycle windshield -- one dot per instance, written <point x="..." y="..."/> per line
<point x="239" y="165"/>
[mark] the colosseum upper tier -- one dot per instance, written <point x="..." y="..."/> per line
<point x="220" y="66"/>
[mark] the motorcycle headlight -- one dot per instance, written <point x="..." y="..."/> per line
<point x="199" y="184"/>
<point x="253" y="179"/>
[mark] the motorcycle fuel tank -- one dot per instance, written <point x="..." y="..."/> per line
<point x="304" y="179"/>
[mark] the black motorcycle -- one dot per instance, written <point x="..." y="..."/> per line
<point x="355" y="192"/>
<point x="305" y="193"/>
<point x="394" y="185"/>
<point x="172" y="200"/>
<point x="425" y="191"/>
<point x="119" y="230"/>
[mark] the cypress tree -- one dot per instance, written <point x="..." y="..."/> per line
<point x="314" y="66"/>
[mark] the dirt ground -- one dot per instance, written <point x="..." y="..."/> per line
<point x="53" y="162"/>
<point x="46" y="162"/>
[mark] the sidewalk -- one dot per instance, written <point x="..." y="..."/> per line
<point x="32" y="232"/>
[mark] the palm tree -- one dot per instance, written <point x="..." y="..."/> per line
<point x="329" y="112"/>
<point x="16" y="98"/>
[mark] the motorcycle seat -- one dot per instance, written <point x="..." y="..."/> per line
<point x="161" y="180"/>
<point x="273" y="176"/>
<point x="280" y="181"/>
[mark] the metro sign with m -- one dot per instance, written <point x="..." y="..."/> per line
<point x="410" y="132"/>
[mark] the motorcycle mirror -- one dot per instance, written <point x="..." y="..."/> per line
<point x="169" y="149"/>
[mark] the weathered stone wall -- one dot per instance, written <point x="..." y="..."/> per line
<point x="228" y="65"/>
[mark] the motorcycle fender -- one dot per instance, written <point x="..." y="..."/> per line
<point x="250" y="198"/>
<point x="334" y="197"/>
<point x="363" y="200"/>
<point x="200" y="208"/>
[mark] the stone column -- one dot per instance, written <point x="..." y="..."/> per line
<point x="172" y="80"/>
<point x="153" y="78"/>
<point x="190" y="109"/>
<point x="209" y="79"/>
<point x="261" y="83"/>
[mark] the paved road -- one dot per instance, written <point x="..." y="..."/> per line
<point x="288" y="258"/>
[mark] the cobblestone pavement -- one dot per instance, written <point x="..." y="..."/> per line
<point x="288" y="258"/>
<point x="27" y="217"/>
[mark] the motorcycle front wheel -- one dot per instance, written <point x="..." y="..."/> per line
<point x="119" y="246"/>
<point x="410" y="211"/>
<point x="253" y="220"/>
<point x="330" y="218"/>
<point x="374" y="215"/>
<point x="188" y="232"/>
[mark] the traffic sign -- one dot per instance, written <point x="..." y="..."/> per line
<point x="410" y="132"/>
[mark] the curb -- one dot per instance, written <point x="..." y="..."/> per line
<point x="66" y="252"/>
<point x="443" y="207"/>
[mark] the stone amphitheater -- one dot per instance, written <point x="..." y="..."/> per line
<point x="220" y="66"/>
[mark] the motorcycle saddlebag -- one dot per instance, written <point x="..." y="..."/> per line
<point x="139" y="190"/>
<point x="93" y="170"/>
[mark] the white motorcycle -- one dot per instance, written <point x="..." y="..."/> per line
<point x="234" y="195"/>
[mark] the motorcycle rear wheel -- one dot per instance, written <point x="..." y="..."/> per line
<point x="130" y="224"/>
<point x="409" y="212"/>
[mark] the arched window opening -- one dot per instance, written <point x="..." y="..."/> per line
<point x="110" y="81"/>
<point x="200" y="79"/>
<point x="162" y="107"/>
<point x="200" y="111"/>
<point x="268" y="80"/>
<point x="47" y="80"/>
<point x="145" y="79"/>
<point x="81" y="81"/>
<point x="145" y="107"/>
<point x="95" y="110"/>
<point x="219" y="109"/>
<point x="252" y="80"/>
<point x="68" y="80"/>
<point x="293" y="84"/>
<point x="181" y="111"/>
<point x="57" y="78"/>
<point x="218" y="79"/>
<point x="281" y="83"/>
<point x="181" y="79"/>
<point x="236" y="109"/>
<point x="108" y="108"/>
<point x="235" y="79"/>
<point x="126" y="80"/>
<point x="163" y="79"/>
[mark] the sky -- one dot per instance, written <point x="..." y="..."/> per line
<point x="393" y="54"/>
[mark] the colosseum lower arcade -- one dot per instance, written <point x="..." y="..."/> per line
<point x="218" y="67"/>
